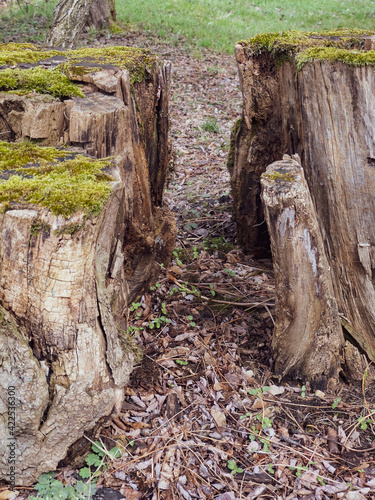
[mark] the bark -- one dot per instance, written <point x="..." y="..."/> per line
<point x="65" y="288"/>
<point x="307" y="341"/>
<point x="71" y="17"/>
<point x="325" y="113"/>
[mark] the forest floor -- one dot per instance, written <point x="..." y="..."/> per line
<point x="204" y="417"/>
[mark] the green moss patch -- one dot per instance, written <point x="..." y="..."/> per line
<point x="350" y="57"/>
<point x="139" y="62"/>
<point x="338" y="45"/>
<point x="16" y="53"/>
<point x="46" y="177"/>
<point x="279" y="176"/>
<point x="39" y="80"/>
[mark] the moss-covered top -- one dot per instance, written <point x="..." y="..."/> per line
<point x="39" y="80"/>
<point x="59" y="180"/>
<point x="53" y="80"/>
<point x="344" y="45"/>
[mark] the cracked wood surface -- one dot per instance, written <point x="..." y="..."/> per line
<point x="64" y="296"/>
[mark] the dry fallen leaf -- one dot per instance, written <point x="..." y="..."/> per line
<point x="332" y="440"/>
<point x="7" y="495"/>
<point x="219" y="417"/>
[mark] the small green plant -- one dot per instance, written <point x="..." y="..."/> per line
<point x="96" y="460"/>
<point x="152" y="288"/>
<point x="320" y="480"/>
<point x="191" y="319"/>
<point x="259" y="391"/>
<point x="52" y="489"/>
<point x="242" y="417"/>
<point x="180" y="362"/>
<point x="303" y="391"/>
<point x="265" y="421"/>
<point x="158" y="322"/>
<point x="270" y="469"/>
<point x="217" y="244"/>
<point x="135" y="306"/>
<point x="299" y="470"/>
<point x="335" y="403"/>
<point x="212" y="291"/>
<point x="230" y="273"/>
<point x="189" y="226"/>
<point x="233" y="467"/>
<point x="134" y="330"/>
<point x="210" y="125"/>
<point x="177" y="259"/>
<point x="195" y="253"/>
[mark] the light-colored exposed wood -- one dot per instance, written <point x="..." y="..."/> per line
<point x="307" y="341"/>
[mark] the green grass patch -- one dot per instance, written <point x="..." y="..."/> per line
<point x="219" y="24"/>
<point x="47" y="177"/>
<point x="25" y="21"/>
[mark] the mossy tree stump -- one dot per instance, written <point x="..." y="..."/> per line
<point x="81" y="237"/>
<point x="312" y="94"/>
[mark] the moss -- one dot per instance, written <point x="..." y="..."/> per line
<point x="279" y="176"/>
<point x="43" y="176"/>
<point x="129" y="345"/>
<point x="40" y="80"/>
<point x="232" y="147"/>
<point x="70" y="229"/>
<point x="17" y="155"/>
<point x="350" y="57"/>
<point x="139" y="62"/>
<point x="15" y="53"/>
<point x="71" y="70"/>
<point x="339" y="45"/>
<point x="38" y="227"/>
<point x="116" y="29"/>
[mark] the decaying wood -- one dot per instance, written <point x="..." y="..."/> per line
<point x="64" y="293"/>
<point x="325" y="113"/>
<point x="307" y="341"/>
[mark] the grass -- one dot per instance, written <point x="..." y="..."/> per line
<point x="219" y="24"/>
<point x="25" y="21"/>
<point x="215" y="24"/>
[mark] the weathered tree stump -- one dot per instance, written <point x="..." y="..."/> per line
<point x="313" y="95"/>
<point x="81" y="238"/>
<point x="307" y="339"/>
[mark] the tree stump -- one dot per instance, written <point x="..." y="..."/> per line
<point x="81" y="237"/>
<point x="307" y="340"/>
<point x="313" y="95"/>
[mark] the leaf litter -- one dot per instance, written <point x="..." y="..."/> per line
<point x="203" y="415"/>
